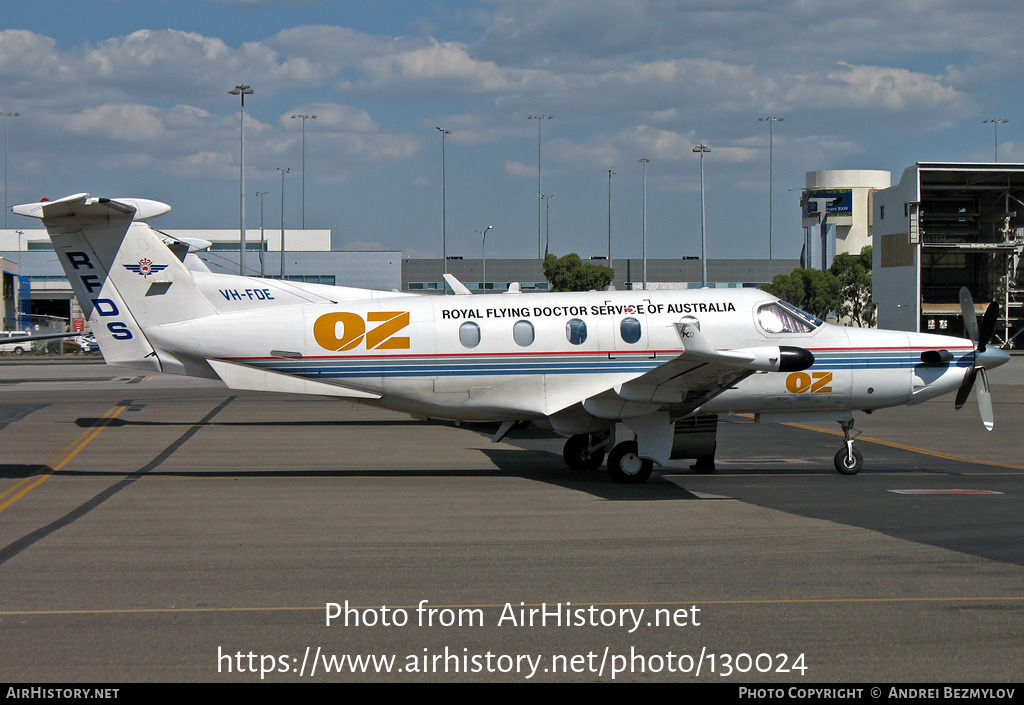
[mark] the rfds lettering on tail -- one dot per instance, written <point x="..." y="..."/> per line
<point x="638" y="376"/>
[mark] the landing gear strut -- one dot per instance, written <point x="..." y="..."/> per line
<point x="849" y="460"/>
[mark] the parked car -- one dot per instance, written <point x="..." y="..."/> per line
<point x="16" y="348"/>
<point x="87" y="343"/>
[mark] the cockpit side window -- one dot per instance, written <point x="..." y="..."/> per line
<point x="781" y="317"/>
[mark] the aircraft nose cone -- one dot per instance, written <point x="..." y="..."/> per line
<point x="992" y="358"/>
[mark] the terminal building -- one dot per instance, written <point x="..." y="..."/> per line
<point x="36" y="290"/>
<point x="836" y="213"/>
<point x="35" y="285"/>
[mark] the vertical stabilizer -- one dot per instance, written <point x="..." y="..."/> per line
<point x="124" y="276"/>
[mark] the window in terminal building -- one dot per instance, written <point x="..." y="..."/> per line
<point x="629" y="329"/>
<point x="469" y="334"/>
<point x="250" y="246"/>
<point x="328" y="279"/>
<point x="522" y="333"/>
<point x="39" y="246"/>
<point x="576" y="331"/>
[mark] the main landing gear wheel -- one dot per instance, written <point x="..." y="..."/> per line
<point x="580" y="454"/>
<point x="848" y="465"/>
<point x="626" y="465"/>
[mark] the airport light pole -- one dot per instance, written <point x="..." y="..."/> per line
<point x="5" y="116"/>
<point x="547" y="223"/>
<point x="703" y="149"/>
<point x="304" y="118"/>
<point x="540" y="121"/>
<point x="483" y="255"/>
<point x="444" y="209"/>
<point x="263" y="240"/>
<point x="995" y="144"/>
<point x="283" y="170"/>
<point x="241" y="90"/>
<point x="610" y="172"/>
<point x="644" y="161"/>
<point x="771" y="153"/>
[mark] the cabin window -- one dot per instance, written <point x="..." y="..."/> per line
<point x="576" y="331"/>
<point x="522" y="333"/>
<point x="780" y="317"/>
<point x="629" y="329"/>
<point x="469" y="334"/>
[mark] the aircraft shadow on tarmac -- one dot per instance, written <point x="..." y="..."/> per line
<point x="530" y="463"/>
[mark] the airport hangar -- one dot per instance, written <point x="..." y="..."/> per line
<point x="943" y="226"/>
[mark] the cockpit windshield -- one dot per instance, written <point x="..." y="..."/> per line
<point x="781" y="317"/>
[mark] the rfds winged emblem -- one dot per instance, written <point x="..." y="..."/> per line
<point x="145" y="267"/>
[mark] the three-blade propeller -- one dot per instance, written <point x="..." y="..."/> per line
<point x="981" y="337"/>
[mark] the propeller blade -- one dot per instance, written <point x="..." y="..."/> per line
<point x="970" y="315"/>
<point x="988" y="325"/>
<point x="981" y="339"/>
<point x="985" y="401"/>
<point x="965" y="388"/>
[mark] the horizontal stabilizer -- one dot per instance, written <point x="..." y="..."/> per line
<point x="763" y="358"/>
<point x="244" y="377"/>
<point x="83" y="206"/>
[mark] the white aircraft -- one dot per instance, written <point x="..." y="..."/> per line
<point x="641" y="375"/>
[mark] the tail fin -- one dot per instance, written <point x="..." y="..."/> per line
<point x="111" y="256"/>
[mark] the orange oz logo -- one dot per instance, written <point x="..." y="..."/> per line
<point x="341" y="330"/>
<point x="815" y="383"/>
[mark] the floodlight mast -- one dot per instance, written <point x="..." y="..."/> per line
<point x="703" y="149"/>
<point x="241" y="90"/>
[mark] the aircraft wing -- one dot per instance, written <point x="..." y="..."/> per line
<point x="697" y="375"/>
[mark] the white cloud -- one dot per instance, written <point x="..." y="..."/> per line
<point x="25" y="54"/>
<point x="882" y="86"/>
<point x="596" y="151"/>
<point x="133" y="123"/>
<point x="513" y="168"/>
<point x="216" y="165"/>
<point x="449" y="66"/>
<point x="330" y="117"/>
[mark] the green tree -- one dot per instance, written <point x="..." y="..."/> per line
<point x="570" y="273"/>
<point x="854" y="275"/>
<point x="812" y="290"/>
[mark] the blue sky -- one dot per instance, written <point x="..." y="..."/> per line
<point x="129" y="98"/>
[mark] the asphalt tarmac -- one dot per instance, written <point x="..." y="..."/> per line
<point x="157" y="529"/>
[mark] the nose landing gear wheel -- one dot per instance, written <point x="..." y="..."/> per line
<point x="625" y="464"/>
<point x="847" y="465"/>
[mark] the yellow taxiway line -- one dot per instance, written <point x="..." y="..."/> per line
<point x="65" y="456"/>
